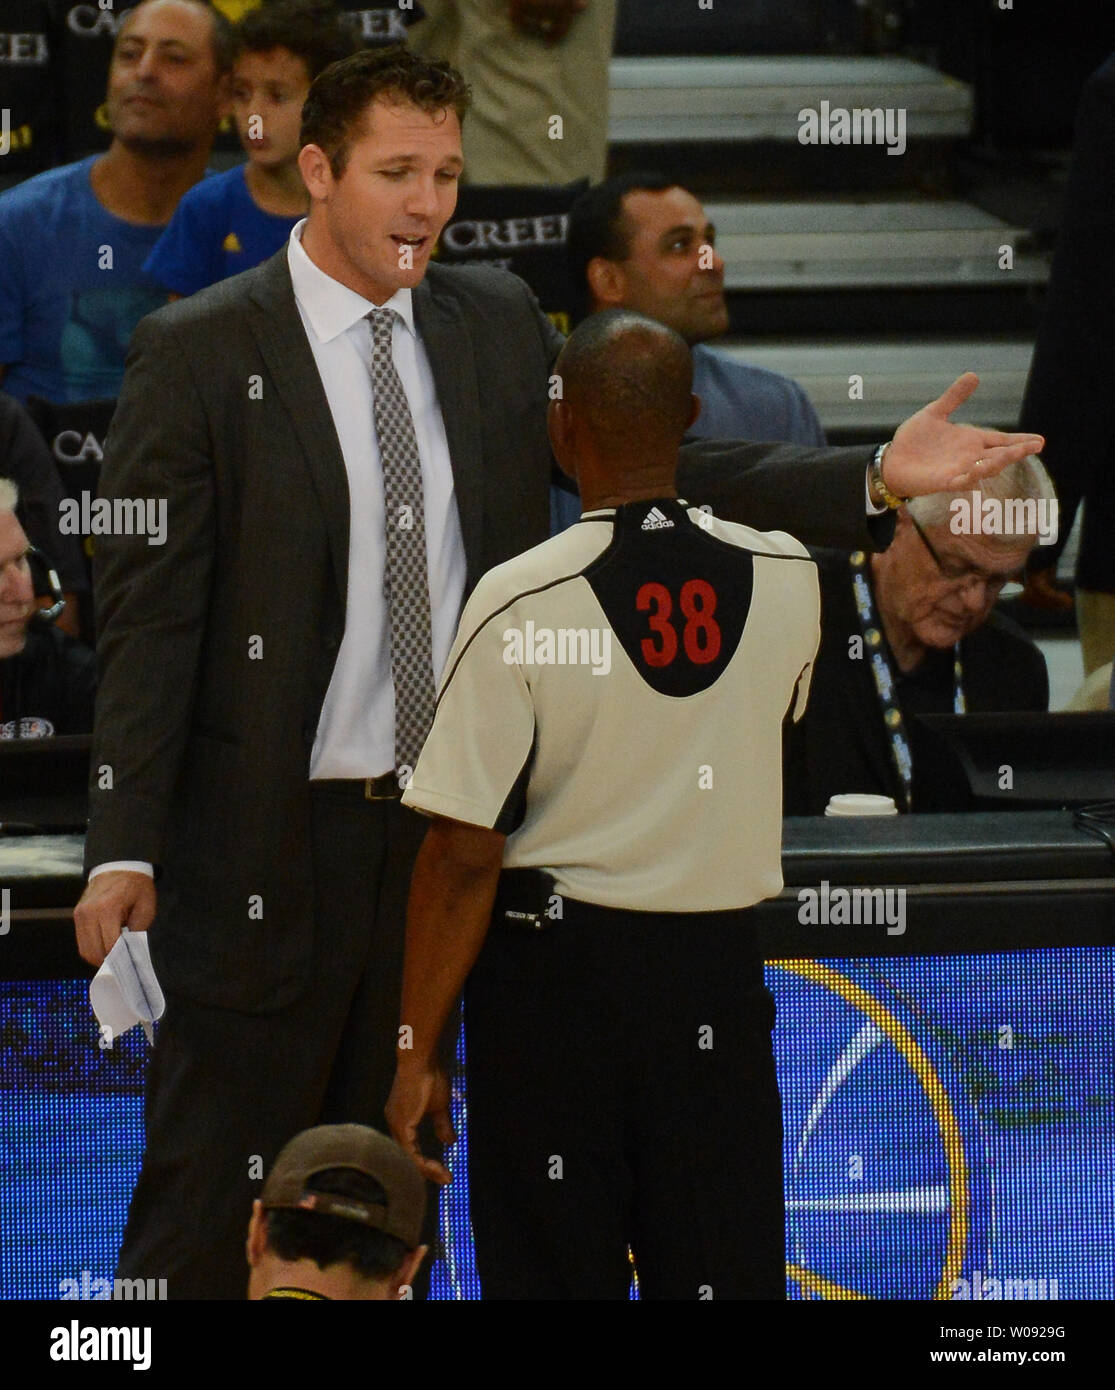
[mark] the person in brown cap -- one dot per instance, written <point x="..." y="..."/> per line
<point x="339" y="1218"/>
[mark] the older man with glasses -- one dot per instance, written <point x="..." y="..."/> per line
<point x="47" y="678"/>
<point x="913" y="630"/>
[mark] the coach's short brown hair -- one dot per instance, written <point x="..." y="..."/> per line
<point x="338" y="102"/>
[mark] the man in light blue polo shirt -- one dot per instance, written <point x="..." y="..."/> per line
<point x="641" y="242"/>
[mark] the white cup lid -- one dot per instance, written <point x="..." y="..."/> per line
<point x="861" y="804"/>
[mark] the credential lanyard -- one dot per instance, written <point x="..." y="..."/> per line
<point x="886" y="690"/>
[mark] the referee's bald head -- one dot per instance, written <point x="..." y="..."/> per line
<point x="627" y="381"/>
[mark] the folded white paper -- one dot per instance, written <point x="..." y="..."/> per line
<point x="124" y="990"/>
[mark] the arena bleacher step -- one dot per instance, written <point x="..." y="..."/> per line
<point x="869" y="244"/>
<point x="897" y="377"/>
<point x="729" y="99"/>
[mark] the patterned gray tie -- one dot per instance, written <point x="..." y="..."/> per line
<point x="406" y="579"/>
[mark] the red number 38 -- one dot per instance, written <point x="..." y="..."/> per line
<point x="701" y="634"/>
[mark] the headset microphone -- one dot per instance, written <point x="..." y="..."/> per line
<point x="48" y="615"/>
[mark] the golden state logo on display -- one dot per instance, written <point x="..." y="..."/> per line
<point x="887" y="1181"/>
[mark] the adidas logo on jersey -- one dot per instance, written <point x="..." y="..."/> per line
<point x="655" y="521"/>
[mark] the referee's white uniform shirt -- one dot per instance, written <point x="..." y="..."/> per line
<point x="628" y="795"/>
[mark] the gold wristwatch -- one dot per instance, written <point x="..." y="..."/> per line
<point x="881" y="495"/>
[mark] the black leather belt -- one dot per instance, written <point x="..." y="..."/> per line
<point x="383" y="788"/>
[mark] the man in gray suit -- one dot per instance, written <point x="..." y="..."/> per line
<point x="337" y="478"/>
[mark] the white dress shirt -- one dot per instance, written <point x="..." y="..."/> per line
<point x="356" y="730"/>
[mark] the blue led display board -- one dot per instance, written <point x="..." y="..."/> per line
<point x="949" y="1132"/>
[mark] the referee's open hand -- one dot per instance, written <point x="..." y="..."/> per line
<point x="419" y="1090"/>
<point x="113" y="900"/>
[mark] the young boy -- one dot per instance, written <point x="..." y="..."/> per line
<point x="233" y="221"/>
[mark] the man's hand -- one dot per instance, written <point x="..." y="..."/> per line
<point x="930" y="454"/>
<point x="419" y="1090"/>
<point x="548" y="20"/>
<point x="111" y="901"/>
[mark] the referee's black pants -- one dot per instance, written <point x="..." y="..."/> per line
<point x="226" y="1090"/>
<point x="621" y="1091"/>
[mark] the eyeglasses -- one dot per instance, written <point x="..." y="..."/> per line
<point x="962" y="575"/>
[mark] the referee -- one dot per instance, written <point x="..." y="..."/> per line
<point x="608" y="734"/>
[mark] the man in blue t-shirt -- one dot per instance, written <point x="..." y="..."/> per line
<point x="73" y="240"/>
<point x="235" y="220"/>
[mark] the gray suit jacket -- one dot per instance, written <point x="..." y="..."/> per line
<point x="217" y="648"/>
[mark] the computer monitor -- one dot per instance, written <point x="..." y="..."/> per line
<point x="1021" y="761"/>
<point x="44" y="784"/>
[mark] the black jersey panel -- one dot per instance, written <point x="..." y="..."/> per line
<point x="676" y="597"/>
